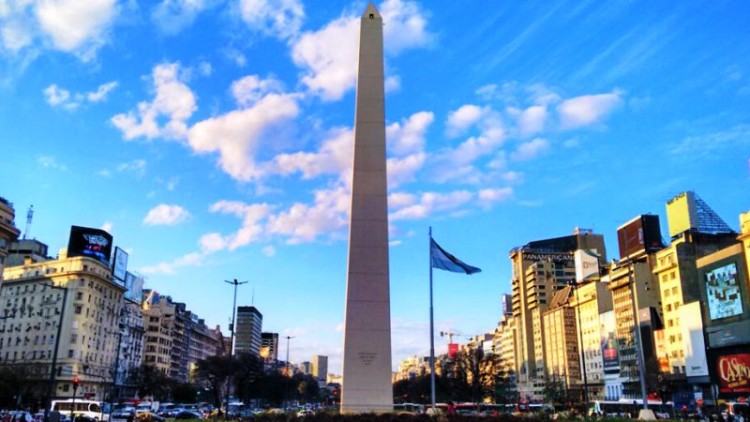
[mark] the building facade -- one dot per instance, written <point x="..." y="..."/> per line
<point x="248" y="329"/>
<point x="8" y="231"/>
<point x="70" y="305"/>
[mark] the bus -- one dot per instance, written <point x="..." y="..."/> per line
<point x="89" y="408"/>
<point x="630" y="408"/>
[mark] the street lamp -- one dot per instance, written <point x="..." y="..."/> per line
<point x="288" y="374"/>
<point x="116" y="370"/>
<point x="53" y="367"/>
<point x="235" y="283"/>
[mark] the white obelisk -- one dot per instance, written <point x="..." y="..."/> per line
<point x="367" y="332"/>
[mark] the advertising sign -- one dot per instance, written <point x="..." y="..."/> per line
<point x="642" y="233"/>
<point x="691" y="324"/>
<point x="452" y="349"/>
<point x="587" y="265"/>
<point x="93" y="243"/>
<point x="610" y="352"/>
<point x="120" y="264"/>
<point x="134" y="286"/>
<point x="734" y="373"/>
<point x="723" y="292"/>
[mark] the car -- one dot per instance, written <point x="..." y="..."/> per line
<point x="125" y="412"/>
<point x="188" y="414"/>
<point x="21" y="416"/>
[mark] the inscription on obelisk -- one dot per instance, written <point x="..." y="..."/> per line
<point x="367" y="331"/>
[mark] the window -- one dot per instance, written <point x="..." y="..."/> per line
<point x="78" y="309"/>
<point x="79" y="296"/>
<point x="71" y="353"/>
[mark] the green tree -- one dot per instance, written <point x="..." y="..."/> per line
<point x="184" y="393"/>
<point x="215" y="371"/>
<point x="152" y="382"/>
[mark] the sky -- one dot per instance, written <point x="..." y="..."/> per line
<point x="213" y="140"/>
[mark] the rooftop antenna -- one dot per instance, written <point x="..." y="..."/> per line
<point x="29" y="217"/>
<point x="252" y="300"/>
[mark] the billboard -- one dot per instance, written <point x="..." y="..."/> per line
<point x="734" y="373"/>
<point x="587" y="265"/>
<point x="93" y="243"/>
<point x="642" y="233"/>
<point x="691" y="326"/>
<point x="610" y="351"/>
<point x="452" y="350"/>
<point x="723" y="292"/>
<point x="120" y="264"/>
<point x="134" y="286"/>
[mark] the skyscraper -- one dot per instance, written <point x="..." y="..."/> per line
<point x="248" y="329"/>
<point x="367" y="333"/>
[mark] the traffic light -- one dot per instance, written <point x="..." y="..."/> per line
<point x="76" y="381"/>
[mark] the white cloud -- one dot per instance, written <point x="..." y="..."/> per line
<point x="136" y="166"/>
<point x="48" y="161"/>
<point x="76" y="26"/>
<point x="101" y="93"/>
<point x="402" y="170"/>
<point x="166" y="215"/>
<point x="172" y="16"/>
<point x="173" y="100"/>
<point x="252" y="224"/>
<point x="212" y="242"/>
<point x="251" y="89"/>
<point x="462" y="119"/>
<point x="56" y="96"/>
<point x="409" y="136"/>
<point x="278" y="18"/>
<point x="329" y="56"/>
<point x="268" y="251"/>
<point x="532" y="120"/>
<point x="489" y="196"/>
<point x="170" y="268"/>
<point x="587" y="109"/>
<point x="107" y="227"/>
<point x="237" y="134"/>
<point x="304" y="223"/>
<point x="405" y="26"/>
<point x="60" y="97"/>
<point x="431" y="202"/>
<point x="530" y="150"/>
<point x="333" y="157"/>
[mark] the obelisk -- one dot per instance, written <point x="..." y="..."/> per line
<point x="367" y="331"/>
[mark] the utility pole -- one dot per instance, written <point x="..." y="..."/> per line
<point x="235" y="283"/>
<point x="288" y="374"/>
<point x="53" y="366"/>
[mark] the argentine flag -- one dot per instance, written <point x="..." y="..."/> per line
<point x="443" y="260"/>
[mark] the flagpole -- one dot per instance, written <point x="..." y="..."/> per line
<point x="432" y="334"/>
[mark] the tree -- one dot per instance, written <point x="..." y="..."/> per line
<point x="554" y="390"/>
<point x="215" y="371"/>
<point x="184" y="393"/>
<point x="469" y="375"/>
<point x="152" y="382"/>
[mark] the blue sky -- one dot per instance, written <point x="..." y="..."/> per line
<point x="212" y="138"/>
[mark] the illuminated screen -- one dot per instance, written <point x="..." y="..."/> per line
<point x="94" y="243"/>
<point x="723" y="291"/>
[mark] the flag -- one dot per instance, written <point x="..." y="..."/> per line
<point x="439" y="258"/>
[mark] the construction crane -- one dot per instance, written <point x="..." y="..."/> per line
<point x="450" y="335"/>
<point x="29" y="217"/>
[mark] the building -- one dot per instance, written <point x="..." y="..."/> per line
<point x="176" y="338"/>
<point x="248" y="330"/>
<point x="320" y="368"/>
<point x="269" y="346"/>
<point x="540" y="269"/>
<point x="61" y="313"/>
<point x="591" y="299"/>
<point x="23" y="250"/>
<point x="159" y="322"/>
<point x="8" y="231"/>
<point x="561" y="355"/>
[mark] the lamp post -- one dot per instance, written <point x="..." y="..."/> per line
<point x="286" y="390"/>
<point x="235" y="283"/>
<point x="76" y="380"/>
<point x="115" y="371"/>
<point x="53" y="366"/>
